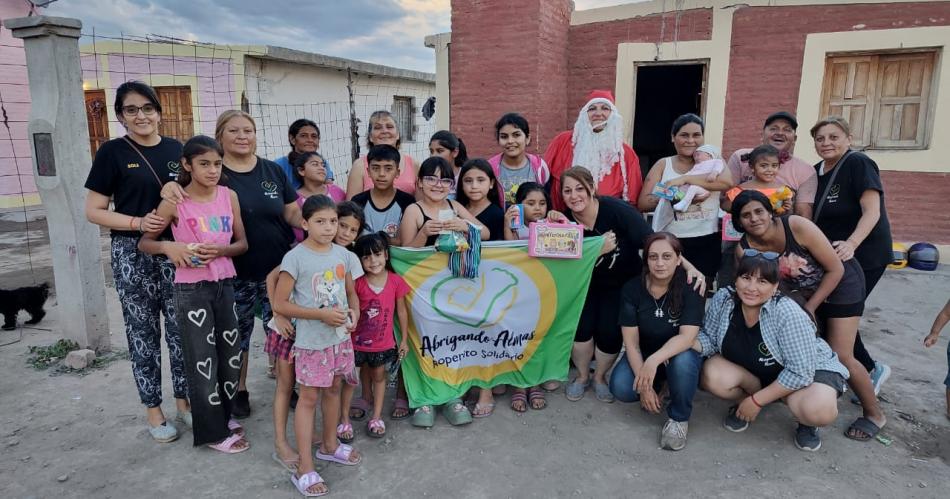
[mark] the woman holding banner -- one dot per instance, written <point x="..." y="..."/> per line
<point x="624" y="230"/>
<point x="660" y="318"/>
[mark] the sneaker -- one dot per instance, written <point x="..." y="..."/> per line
<point x="673" y="436"/>
<point x="734" y="424"/>
<point x="807" y="438"/>
<point x="184" y="417"/>
<point x="879" y="375"/>
<point x="241" y="406"/>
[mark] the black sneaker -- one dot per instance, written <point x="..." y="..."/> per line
<point x="241" y="406"/>
<point x="732" y="423"/>
<point x="294" y="397"/>
<point x="807" y="438"/>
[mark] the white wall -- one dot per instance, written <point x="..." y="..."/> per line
<point x="281" y="92"/>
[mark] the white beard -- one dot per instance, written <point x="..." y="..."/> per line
<point x="598" y="152"/>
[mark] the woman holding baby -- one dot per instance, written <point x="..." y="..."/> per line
<point x="697" y="225"/>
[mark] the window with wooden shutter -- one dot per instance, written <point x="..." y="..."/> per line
<point x="884" y="96"/>
<point x="177" y="119"/>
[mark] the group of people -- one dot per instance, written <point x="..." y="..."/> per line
<point x="208" y="235"/>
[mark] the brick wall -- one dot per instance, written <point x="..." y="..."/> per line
<point x="768" y="45"/>
<point x="917" y="206"/>
<point x="507" y="57"/>
<point x="592" y="57"/>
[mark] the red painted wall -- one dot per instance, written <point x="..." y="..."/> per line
<point x="508" y="57"/>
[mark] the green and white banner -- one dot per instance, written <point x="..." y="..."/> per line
<point x="513" y="324"/>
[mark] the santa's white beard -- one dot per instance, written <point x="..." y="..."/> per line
<point x="598" y="152"/>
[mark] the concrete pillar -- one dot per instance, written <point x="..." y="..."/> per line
<point x="59" y="138"/>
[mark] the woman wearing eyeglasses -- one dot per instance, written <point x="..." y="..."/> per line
<point x="761" y="348"/>
<point x="831" y="289"/>
<point x="130" y="171"/>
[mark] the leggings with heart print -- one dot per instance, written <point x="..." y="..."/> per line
<point x="144" y="285"/>
<point x="211" y="342"/>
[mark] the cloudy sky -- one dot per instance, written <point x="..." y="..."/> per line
<point x="387" y="32"/>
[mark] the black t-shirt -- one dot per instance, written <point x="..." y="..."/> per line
<point x="623" y="263"/>
<point x="119" y="172"/>
<point x="639" y="309"/>
<point x="262" y="192"/>
<point x="842" y="209"/>
<point x="493" y="218"/>
<point x="384" y="218"/>
<point x="743" y="345"/>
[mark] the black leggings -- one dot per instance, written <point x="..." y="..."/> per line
<point x="871" y="277"/>
<point x="600" y="319"/>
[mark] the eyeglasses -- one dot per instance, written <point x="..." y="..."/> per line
<point x="432" y="181"/>
<point x="768" y="255"/>
<point x="131" y="111"/>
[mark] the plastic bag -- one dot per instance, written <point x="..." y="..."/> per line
<point x="453" y="242"/>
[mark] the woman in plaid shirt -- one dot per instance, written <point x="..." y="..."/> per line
<point x="762" y="348"/>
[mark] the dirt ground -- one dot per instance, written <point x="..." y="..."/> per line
<point x="85" y="436"/>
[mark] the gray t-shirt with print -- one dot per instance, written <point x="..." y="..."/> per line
<point x="511" y="178"/>
<point x="320" y="282"/>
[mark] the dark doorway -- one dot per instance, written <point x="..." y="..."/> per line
<point x="664" y="92"/>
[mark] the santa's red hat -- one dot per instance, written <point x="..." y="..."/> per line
<point x="601" y="94"/>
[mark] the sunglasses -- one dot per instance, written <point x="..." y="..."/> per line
<point x="433" y="181"/>
<point x="752" y="253"/>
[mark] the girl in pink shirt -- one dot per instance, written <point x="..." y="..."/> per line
<point x="208" y="231"/>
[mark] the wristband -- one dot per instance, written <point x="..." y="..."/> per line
<point x="132" y="223"/>
<point x="141" y="221"/>
<point x="757" y="404"/>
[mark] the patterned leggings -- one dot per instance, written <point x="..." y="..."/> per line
<point x="144" y="285"/>
<point x="248" y="295"/>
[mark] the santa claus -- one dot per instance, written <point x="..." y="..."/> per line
<point x="596" y="143"/>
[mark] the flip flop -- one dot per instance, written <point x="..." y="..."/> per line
<point x="536" y="394"/>
<point x="289" y="465"/>
<point x="519" y="396"/>
<point x="376" y="428"/>
<point x="358" y="409"/>
<point x="483" y="410"/>
<point x="340" y="456"/>
<point x="400" y="404"/>
<point x="456" y="413"/>
<point x="342" y="429"/>
<point x="305" y="482"/>
<point x="228" y="445"/>
<point x="864" y="425"/>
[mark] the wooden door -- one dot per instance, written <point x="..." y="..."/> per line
<point x="97" y="117"/>
<point x="177" y="120"/>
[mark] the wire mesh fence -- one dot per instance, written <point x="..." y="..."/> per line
<point x="195" y="82"/>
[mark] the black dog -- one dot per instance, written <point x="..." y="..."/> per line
<point x="29" y="298"/>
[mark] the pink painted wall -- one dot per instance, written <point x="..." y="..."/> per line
<point x="16" y="166"/>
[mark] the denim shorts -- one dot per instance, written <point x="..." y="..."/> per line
<point x="831" y="379"/>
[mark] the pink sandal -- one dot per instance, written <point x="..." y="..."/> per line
<point x="229" y="445"/>
<point x="235" y="427"/>
<point x="340" y="456"/>
<point x="344" y="429"/>
<point x="308" y="480"/>
<point x="376" y="428"/>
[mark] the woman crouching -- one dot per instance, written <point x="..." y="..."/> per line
<point x="762" y="348"/>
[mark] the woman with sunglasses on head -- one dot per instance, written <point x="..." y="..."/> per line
<point x="130" y="171"/>
<point x="761" y="348"/>
<point x="832" y="290"/>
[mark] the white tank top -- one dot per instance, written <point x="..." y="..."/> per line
<point x="700" y="219"/>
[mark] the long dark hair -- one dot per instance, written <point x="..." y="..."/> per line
<point x="674" y="294"/>
<point x="483" y="166"/>
<point x="370" y="244"/>
<point x="299" y="163"/>
<point x="745" y="197"/>
<point x="196" y="146"/>
<point x="351" y="209"/>
<point x="294" y="129"/>
<point x="768" y="270"/>
<point x="452" y="142"/>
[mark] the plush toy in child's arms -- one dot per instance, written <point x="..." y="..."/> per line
<point x="779" y="197"/>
